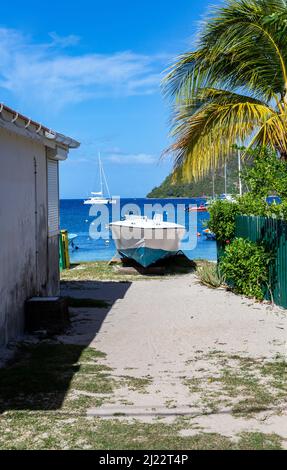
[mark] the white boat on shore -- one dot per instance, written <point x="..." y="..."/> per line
<point x="98" y="197"/>
<point x="146" y="240"/>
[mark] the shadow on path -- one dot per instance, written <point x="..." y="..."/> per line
<point x="41" y="373"/>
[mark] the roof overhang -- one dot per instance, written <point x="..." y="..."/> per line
<point x="26" y="127"/>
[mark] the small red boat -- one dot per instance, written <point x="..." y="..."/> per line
<point x="201" y="208"/>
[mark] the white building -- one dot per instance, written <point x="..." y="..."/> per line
<point x="29" y="215"/>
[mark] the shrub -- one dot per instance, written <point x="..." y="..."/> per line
<point x="223" y="214"/>
<point x="279" y="211"/>
<point x="222" y="219"/>
<point x="250" y="204"/>
<point x="267" y="175"/>
<point x="245" y="266"/>
<point x="209" y="275"/>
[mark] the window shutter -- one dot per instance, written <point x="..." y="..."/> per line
<point x="53" y="198"/>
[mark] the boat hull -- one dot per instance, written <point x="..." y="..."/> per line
<point x="146" y="245"/>
<point x="94" y="201"/>
<point x="198" y="209"/>
<point x="145" y="256"/>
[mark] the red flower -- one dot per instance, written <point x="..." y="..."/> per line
<point x="227" y="242"/>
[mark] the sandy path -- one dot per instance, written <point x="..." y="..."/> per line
<point x="168" y="331"/>
<point x="163" y="321"/>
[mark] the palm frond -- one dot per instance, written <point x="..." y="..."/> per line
<point x="204" y="138"/>
<point x="242" y="47"/>
<point x="238" y="48"/>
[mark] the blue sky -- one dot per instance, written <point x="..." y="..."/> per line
<point x="92" y="70"/>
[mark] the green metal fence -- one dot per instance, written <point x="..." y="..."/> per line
<point x="273" y="234"/>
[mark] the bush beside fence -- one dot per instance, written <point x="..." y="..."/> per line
<point x="273" y="234"/>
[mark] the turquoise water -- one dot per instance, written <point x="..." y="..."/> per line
<point x="75" y="217"/>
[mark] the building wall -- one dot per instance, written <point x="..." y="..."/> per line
<point x="25" y="251"/>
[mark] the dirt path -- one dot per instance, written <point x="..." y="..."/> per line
<point x="215" y="359"/>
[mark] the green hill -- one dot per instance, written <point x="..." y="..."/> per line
<point x="203" y="187"/>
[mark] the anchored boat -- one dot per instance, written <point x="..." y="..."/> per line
<point x="98" y="197"/>
<point x="146" y="240"/>
<point x="201" y="208"/>
<point x="209" y="234"/>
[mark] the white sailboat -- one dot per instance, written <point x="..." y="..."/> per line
<point x="98" y="197"/>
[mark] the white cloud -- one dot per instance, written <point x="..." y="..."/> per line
<point x="130" y="159"/>
<point x="114" y="156"/>
<point x="45" y="73"/>
<point x="64" y="41"/>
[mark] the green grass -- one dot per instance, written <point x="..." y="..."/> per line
<point x="93" y="271"/>
<point x="46" y="376"/>
<point x="103" y="271"/>
<point x="248" y="385"/>
<point x="208" y="275"/>
<point x="194" y="384"/>
<point x="78" y="302"/>
<point x="99" y="271"/>
<point x="46" y="431"/>
<point x="139" y="384"/>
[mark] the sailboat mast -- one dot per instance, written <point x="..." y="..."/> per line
<point x="239" y="172"/>
<point x="106" y="183"/>
<point x="101" y="170"/>
<point x="213" y="183"/>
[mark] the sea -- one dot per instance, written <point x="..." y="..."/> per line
<point x="80" y="220"/>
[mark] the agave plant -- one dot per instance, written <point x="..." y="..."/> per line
<point x="233" y="87"/>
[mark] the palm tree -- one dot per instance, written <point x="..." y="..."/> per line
<point x="232" y="88"/>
